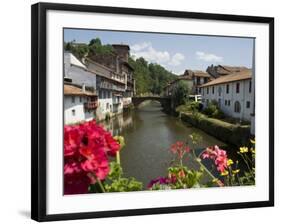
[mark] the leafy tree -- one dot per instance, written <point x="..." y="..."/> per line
<point x="96" y="48"/>
<point x="79" y="50"/>
<point x="180" y="93"/>
<point x="150" y="77"/>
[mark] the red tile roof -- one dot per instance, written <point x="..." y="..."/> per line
<point x="235" y="76"/>
<point x="72" y="90"/>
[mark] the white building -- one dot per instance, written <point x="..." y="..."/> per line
<point x="110" y="88"/>
<point x="79" y="104"/>
<point x="233" y="92"/>
<point x="78" y="72"/>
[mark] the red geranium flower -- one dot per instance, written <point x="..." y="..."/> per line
<point x="86" y="150"/>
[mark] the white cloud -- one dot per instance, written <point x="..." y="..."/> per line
<point x="208" y="57"/>
<point x="150" y="54"/>
<point x="147" y="51"/>
<point x="177" y="59"/>
<point x="140" y="46"/>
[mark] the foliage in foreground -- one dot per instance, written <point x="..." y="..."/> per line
<point x="180" y="177"/>
<point x="87" y="148"/>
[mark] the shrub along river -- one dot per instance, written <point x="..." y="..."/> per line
<point x="148" y="134"/>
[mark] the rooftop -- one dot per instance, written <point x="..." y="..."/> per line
<point x="232" y="77"/>
<point x="196" y="73"/>
<point x="73" y="60"/>
<point x="220" y="70"/>
<point x="73" y="90"/>
<point x="121" y="45"/>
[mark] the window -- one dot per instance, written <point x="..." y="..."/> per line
<point x="205" y="79"/>
<point x="73" y="112"/>
<point x="225" y="102"/>
<point x="107" y="106"/>
<point x="228" y="102"/>
<point x="248" y="104"/>
<point x="207" y="101"/>
<point x="198" y="80"/>
<point x="100" y="94"/>
<point x="213" y="89"/>
<point x="250" y="86"/>
<point x="220" y="91"/>
<point x="237" y="107"/>
<point x="73" y="99"/>
<point x="227" y="88"/>
<point x="237" y="87"/>
<point x="207" y="90"/>
<point x="80" y="99"/>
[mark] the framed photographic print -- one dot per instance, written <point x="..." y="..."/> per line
<point x="139" y="111"/>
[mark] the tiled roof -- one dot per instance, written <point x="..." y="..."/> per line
<point x="72" y="90"/>
<point x="201" y="74"/>
<point x="196" y="73"/>
<point x="235" y="76"/>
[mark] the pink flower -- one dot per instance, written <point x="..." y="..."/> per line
<point x="218" y="155"/>
<point x="179" y="148"/>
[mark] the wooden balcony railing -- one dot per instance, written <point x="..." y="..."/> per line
<point x="91" y="105"/>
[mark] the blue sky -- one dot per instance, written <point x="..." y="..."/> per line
<point x="175" y="52"/>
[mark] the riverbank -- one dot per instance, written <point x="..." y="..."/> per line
<point x="234" y="134"/>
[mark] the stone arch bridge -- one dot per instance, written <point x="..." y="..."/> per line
<point x="164" y="101"/>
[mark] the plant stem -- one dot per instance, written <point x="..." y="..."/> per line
<point x="118" y="158"/>
<point x="250" y="170"/>
<point x="101" y="185"/>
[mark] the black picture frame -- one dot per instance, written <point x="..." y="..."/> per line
<point x="39" y="121"/>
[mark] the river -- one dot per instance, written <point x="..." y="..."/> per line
<point x="148" y="134"/>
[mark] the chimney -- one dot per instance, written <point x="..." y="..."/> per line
<point x="83" y="88"/>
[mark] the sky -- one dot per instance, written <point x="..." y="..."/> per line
<point x="175" y="52"/>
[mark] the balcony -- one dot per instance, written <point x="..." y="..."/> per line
<point x="91" y="105"/>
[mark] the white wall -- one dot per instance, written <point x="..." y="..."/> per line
<point x="242" y="97"/>
<point x="80" y="114"/>
<point x="15" y="122"/>
<point x="77" y="74"/>
<point x="102" y="109"/>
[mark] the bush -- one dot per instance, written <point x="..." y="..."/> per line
<point x="213" y="110"/>
<point x="227" y="132"/>
<point x="190" y="106"/>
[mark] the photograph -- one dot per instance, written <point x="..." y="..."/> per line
<point x="156" y="111"/>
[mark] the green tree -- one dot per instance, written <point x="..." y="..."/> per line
<point x="180" y="93"/>
<point x="150" y="77"/>
<point x="96" y="48"/>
